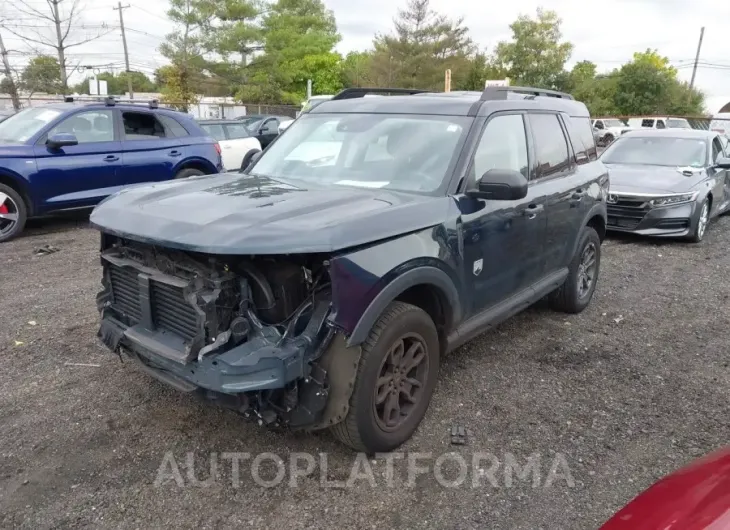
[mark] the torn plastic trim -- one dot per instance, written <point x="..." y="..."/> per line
<point x="263" y="362"/>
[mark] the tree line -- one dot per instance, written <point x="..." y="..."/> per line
<point x="263" y="51"/>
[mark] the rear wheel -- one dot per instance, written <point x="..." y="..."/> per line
<point x="188" y="172"/>
<point x="577" y="291"/>
<point x="13" y="213"/>
<point x="395" y="380"/>
<point x="608" y="139"/>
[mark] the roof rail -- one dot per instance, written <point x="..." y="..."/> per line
<point x="153" y="104"/>
<point x="68" y="99"/>
<point x="500" y="92"/>
<point x="352" y="93"/>
<point x="110" y="101"/>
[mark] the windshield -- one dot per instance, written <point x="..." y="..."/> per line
<point x="19" y="127"/>
<point x="657" y="151"/>
<point x="251" y="122"/>
<point x="678" y="123"/>
<point x="390" y="151"/>
<point x="613" y="123"/>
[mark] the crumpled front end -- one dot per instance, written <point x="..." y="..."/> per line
<point x="249" y="333"/>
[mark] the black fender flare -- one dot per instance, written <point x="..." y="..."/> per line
<point x="598" y="210"/>
<point x="426" y="275"/>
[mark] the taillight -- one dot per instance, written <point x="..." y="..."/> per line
<point x="217" y="147"/>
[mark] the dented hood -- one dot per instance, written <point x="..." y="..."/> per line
<point x="240" y="214"/>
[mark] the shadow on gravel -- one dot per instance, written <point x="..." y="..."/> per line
<point x="60" y="222"/>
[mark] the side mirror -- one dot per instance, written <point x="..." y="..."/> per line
<point x="250" y="161"/>
<point x="500" y="185"/>
<point x="56" y="141"/>
<point x="722" y="163"/>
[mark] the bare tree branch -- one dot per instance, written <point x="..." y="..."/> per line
<point x="37" y="41"/>
<point x="71" y="17"/>
<point x="98" y="36"/>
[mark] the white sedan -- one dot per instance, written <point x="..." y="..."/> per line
<point x="237" y="143"/>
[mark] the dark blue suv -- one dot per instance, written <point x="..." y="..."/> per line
<point x="65" y="156"/>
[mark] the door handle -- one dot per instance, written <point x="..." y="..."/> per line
<point x="175" y="153"/>
<point x="533" y="210"/>
<point x="111" y="158"/>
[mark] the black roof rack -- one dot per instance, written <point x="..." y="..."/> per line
<point x="501" y="92"/>
<point x="110" y="101"/>
<point x="352" y="93"/>
<point x="154" y="104"/>
<point x="68" y="99"/>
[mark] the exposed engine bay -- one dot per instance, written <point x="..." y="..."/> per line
<point x="246" y="331"/>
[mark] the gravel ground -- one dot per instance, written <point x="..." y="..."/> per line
<point x="624" y="393"/>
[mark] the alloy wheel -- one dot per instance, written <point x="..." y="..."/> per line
<point x="401" y="381"/>
<point x="9" y="214"/>
<point x="587" y="269"/>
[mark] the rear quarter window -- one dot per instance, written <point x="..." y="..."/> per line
<point x="173" y="127"/>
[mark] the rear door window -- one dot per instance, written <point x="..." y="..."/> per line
<point x="551" y="148"/>
<point x="581" y="138"/>
<point x="142" y="126"/>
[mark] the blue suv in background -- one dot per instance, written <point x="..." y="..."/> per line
<point x="66" y="156"/>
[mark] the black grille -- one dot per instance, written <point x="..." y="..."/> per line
<point x="627" y="212"/>
<point x="673" y="224"/>
<point x="125" y="293"/>
<point x="171" y="312"/>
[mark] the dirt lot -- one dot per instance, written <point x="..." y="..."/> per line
<point x="629" y="390"/>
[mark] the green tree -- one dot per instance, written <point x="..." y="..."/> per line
<point x="423" y="46"/>
<point x="480" y="69"/>
<point x="536" y="55"/>
<point x="42" y="74"/>
<point x="176" y="89"/>
<point x="356" y="69"/>
<point x="298" y="38"/>
<point x="649" y="85"/>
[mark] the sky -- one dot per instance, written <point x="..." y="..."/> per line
<point x="608" y="36"/>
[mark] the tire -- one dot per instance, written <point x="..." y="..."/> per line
<point x="247" y="157"/>
<point x="572" y="297"/>
<point x="364" y="429"/>
<point x="188" y="172"/>
<point x="608" y="139"/>
<point x="14" y="208"/>
<point x="702" y="223"/>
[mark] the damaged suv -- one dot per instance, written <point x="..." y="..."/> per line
<point x="320" y="287"/>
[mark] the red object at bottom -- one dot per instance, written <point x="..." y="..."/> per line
<point x="696" y="497"/>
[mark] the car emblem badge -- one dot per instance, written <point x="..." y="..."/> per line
<point x="612" y="199"/>
<point x="478" y="265"/>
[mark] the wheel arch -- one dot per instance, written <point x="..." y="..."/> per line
<point x="197" y="163"/>
<point x="426" y="287"/>
<point x="21" y="187"/>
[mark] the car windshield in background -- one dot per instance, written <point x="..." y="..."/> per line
<point x="657" y="151"/>
<point x="20" y="127"/>
<point x="391" y="151"/>
<point x="677" y="123"/>
<point x="252" y="123"/>
<point x="613" y="123"/>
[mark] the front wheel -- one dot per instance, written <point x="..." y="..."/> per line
<point x="702" y="222"/>
<point x="577" y="291"/>
<point x="13" y="213"/>
<point x="395" y="380"/>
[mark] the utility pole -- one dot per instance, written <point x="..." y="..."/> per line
<point x="9" y="76"/>
<point x="697" y="58"/>
<point x="120" y="8"/>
